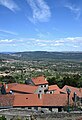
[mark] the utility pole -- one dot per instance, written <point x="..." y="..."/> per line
<point x="68" y="97"/>
<point x="75" y="100"/>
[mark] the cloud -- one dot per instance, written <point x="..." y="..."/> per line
<point x="67" y="43"/>
<point x="41" y="11"/>
<point x="57" y="44"/>
<point x="10" y="4"/>
<point x="8" y="32"/>
<point x="74" y="39"/>
<point x="5" y="41"/>
<point x="75" y="46"/>
<point x="12" y="41"/>
<point x="48" y="43"/>
<point x="59" y="41"/>
<point x="41" y="44"/>
<point x="74" y="9"/>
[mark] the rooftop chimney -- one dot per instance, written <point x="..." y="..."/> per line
<point x="40" y="96"/>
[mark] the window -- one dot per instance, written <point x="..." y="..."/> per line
<point x="29" y="107"/>
<point x="50" y="109"/>
<point x="36" y="108"/>
<point x="40" y="91"/>
<point x="22" y="107"/>
<point x="50" y="92"/>
<point x="41" y="85"/>
<point x="44" y="85"/>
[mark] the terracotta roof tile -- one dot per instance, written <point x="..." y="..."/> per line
<point x="6" y="100"/>
<point x="39" y="80"/>
<point x="27" y="100"/>
<point x="57" y="92"/>
<point x="55" y="100"/>
<point x="9" y="86"/>
<point x="46" y="100"/>
<point x="22" y="88"/>
<point x="53" y="87"/>
<point x="73" y="89"/>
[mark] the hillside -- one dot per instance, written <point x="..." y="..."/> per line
<point x="38" y="55"/>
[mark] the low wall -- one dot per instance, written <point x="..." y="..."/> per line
<point x="59" y="116"/>
<point x="23" y="114"/>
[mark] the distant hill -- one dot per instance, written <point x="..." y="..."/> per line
<point x="40" y="55"/>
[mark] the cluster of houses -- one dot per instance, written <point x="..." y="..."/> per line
<point x="36" y="94"/>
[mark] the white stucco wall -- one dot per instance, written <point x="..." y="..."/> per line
<point x="54" y="109"/>
<point x="41" y="89"/>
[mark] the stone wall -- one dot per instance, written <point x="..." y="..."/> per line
<point x="59" y="116"/>
<point x="23" y="114"/>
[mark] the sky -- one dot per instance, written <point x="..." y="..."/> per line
<point x="40" y="25"/>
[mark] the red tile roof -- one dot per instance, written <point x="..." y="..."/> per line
<point x="22" y="88"/>
<point x="73" y="89"/>
<point x="56" y="92"/>
<point x="53" y="87"/>
<point x="46" y="100"/>
<point x="6" y="100"/>
<point x="39" y="80"/>
<point x="27" y="100"/>
<point x="9" y="86"/>
<point x="55" y="100"/>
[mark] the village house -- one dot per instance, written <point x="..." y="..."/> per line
<point x="49" y="102"/>
<point x="72" y="89"/>
<point x="15" y="88"/>
<point x="36" y="94"/>
<point x="76" y="94"/>
<point x="53" y="89"/>
<point x="24" y="89"/>
<point x="45" y="102"/>
<point x="40" y="81"/>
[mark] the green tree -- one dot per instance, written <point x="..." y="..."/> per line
<point x="3" y="118"/>
<point x="52" y="80"/>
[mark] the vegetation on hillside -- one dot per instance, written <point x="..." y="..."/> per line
<point x="58" y="67"/>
